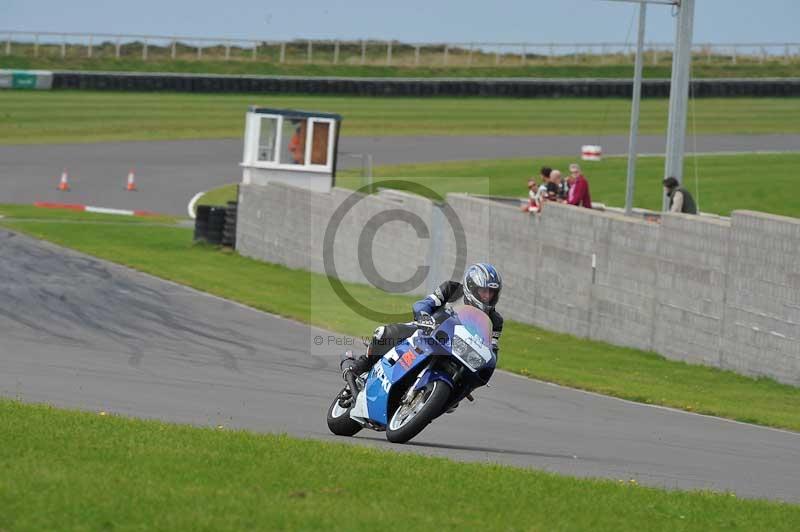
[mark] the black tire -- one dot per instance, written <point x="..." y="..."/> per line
<point x="439" y="394"/>
<point x="339" y="421"/>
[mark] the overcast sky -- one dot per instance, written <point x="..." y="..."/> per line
<point x="561" y="21"/>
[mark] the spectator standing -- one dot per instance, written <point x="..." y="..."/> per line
<point x="554" y="186"/>
<point x="579" y="188"/>
<point x="679" y="198"/>
<point x="562" y="189"/>
<point x="544" y="174"/>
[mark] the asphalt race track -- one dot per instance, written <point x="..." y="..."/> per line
<point x="169" y="173"/>
<point x="79" y="332"/>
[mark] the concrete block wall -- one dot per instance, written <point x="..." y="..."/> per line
<point x="761" y="329"/>
<point x="724" y="293"/>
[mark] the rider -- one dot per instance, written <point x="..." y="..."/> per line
<point x="481" y="289"/>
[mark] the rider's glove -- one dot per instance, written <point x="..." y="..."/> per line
<point x="426" y="320"/>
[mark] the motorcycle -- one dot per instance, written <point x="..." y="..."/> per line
<point x="420" y="379"/>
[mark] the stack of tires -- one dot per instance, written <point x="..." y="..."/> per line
<point x="216" y="223"/>
<point x="201" y="223"/>
<point x="229" y="230"/>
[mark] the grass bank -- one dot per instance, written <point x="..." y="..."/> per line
<point x="65" y="470"/>
<point x="246" y="66"/>
<point x="168" y="252"/>
<point x="725" y="182"/>
<point x="84" y="116"/>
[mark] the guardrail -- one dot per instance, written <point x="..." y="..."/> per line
<point x="418" y="87"/>
<point x="374" y="52"/>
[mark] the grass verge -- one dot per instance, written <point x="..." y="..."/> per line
<point x="168" y="252"/>
<point x="725" y="182"/>
<point x="220" y="195"/>
<point x="65" y="470"/>
<point x="85" y="116"/>
<point x="246" y="66"/>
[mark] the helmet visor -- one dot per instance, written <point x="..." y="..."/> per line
<point x="487" y="296"/>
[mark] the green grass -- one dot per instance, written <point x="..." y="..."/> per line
<point x="65" y="470"/>
<point x="245" y="66"/>
<point x="220" y="195"/>
<point x="168" y="252"/>
<point x="726" y="182"/>
<point x="84" y="116"/>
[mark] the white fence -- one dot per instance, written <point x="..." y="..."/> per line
<point x="374" y="52"/>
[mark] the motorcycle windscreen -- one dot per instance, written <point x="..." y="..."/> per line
<point x="476" y="322"/>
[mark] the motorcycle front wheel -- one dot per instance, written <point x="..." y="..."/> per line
<point x="339" y="420"/>
<point x="410" y="418"/>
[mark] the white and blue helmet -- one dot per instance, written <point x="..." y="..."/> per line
<point x="482" y="286"/>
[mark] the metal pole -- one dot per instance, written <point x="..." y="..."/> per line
<point x="524" y="55"/>
<point x="199" y="51"/>
<point x="416" y="56"/>
<point x="679" y="94"/>
<point x="389" y="54"/>
<point x="255" y="49"/>
<point x="63" y="46"/>
<point x="89" y="50"/>
<point x="8" y="46"/>
<point x="446" y="51"/>
<point x="227" y="51"/>
<point x="144" y="51"/>
<point x="363" y="52"/>
<point x="36" y="45"/>
<point x="116" y="48"/>
<point x="174" y="50"/>
<point x="336" y="52"/>
<point x="283" y="52"/>
<point x="469" y="57"/>
<point x="308" y="55"/>
<point x="637" y="96"/>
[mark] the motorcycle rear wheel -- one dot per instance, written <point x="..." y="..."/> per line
<point x="339" y="420"/>
<point x="430" y="402"/>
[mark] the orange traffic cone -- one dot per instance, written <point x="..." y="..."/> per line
<point x="131" y="181"/>
<point x="63" y="185"/>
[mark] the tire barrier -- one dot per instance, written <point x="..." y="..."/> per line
<point x="216" y="224"/>
<point x="201" y="223"/>
<point x="209" y="223"/>
<point x="229" y="229"/>
<point x="500" y="87"/>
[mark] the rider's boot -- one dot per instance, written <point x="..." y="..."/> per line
<point x="356" y="365"/>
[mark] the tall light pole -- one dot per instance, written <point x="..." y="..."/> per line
<point x="678" y="95"/>
<point x="637" y="97"/>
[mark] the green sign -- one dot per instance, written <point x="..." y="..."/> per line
<point x="23" y="80"/>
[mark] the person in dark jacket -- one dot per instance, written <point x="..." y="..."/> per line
<point x="481" y="289"/>
<point x="679" y="198"/>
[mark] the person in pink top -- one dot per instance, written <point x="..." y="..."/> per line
<point x="578" y="188"/>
